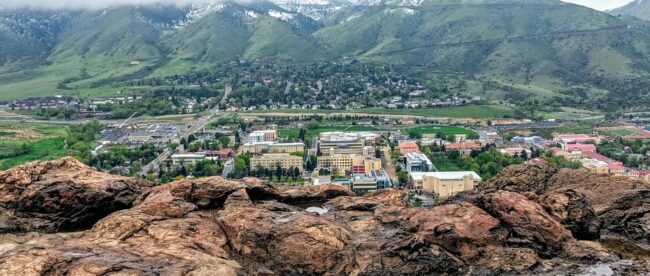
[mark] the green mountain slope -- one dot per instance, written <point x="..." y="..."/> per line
<point x="507" y="49"/>
<point x="538" y="48"/>
<point x="638" y="8"/>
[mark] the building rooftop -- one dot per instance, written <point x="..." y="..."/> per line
<point x="445" y="175"/>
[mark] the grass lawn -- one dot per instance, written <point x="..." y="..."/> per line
<point x="447" y="130"/>
<point x="40" y="150"/>
<point x="448" y="167"/>
<point x="622" y="132"/>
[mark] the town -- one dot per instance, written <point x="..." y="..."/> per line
<point x="363" y="153"/>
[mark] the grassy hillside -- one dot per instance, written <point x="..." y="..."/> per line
<point x="544" y="49"/>
<point x="509" y="50"/>
<point x="637" y="8"/>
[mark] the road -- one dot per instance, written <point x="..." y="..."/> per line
<point x="228" y="168"/>
<point x="389" y="166"/>
<point x="196" y="127"/>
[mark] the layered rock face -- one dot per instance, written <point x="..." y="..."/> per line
<point x="213" y="226"/>
<point x="587" y="204"/>
<point x="61" y="195"/>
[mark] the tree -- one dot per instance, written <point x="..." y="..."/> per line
<point x="524" y="155"/>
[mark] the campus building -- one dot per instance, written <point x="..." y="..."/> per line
<point x="465" y="148"/>
<point x="273" y="160"/>
<point x="262" y="136"/>
<point x="418" y="162"/>
<point x="356" y="164"/>
<point x="406" y="147"/>
<point x="271" y="147"/>
<point x="444" y="184"/>
<point x="334" y="146"/>
<point x="187" y="159"/>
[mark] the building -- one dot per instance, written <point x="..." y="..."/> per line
<point x="610" y="165"/>
<point x="532" y="140"/>
<point x="286" y="147"/>
<point x="369" y="138"/>
<point x="444" y="184"/>
<point x="375" y="180"/>
<point x="516" y="151"/>
<point x="418" y="162"/>
<point x="187" y="159"/>
<point x="579" y="147"/>
<point x="262" y="136"/>
<point x="356" y="164"/>
<point x="641" y="174"/>
<point x="492" y="138"/>
<point x="577" y="138"/>
<point x="406" y="147"/>
<point x="365" y="164"/>
<point x="334" y="146"/>
<point x="272" y="147"/>
<point x="465" y="148"/>
<point x="594" y="166"/>
<point x="221" y="154"/>
<point x="273" y="160"/>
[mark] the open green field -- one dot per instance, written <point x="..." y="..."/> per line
<point x="39" y="141"/>
<point x="447" y="130"/>
<point x="448" y="167"/>
<point x="293" y="133"/>
<point x="622" y="132"/>
<point x="40" y="150"/>
<point x="468" y="111"/>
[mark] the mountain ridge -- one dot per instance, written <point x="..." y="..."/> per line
<point x="546" y="49"/>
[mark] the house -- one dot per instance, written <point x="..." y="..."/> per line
<point x="406" y="147"/>
<point x="444" y="184"/>
<point x="465" y="148"/>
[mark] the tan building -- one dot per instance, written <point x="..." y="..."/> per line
<point x="286" y="147"/>
<point x="262" y="136"/>
<point x="272" y="147"/>
<point x="336" y="146"/>
<point x="272" y="160"/>
<point x="595" y="166"/>
<point x="444" y="184"/>
<point x="356" y="164"/>
<point x="187" y="159"/>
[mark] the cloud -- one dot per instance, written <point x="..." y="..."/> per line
<point x="91" y="4"/>
<point x="600" y="5"/>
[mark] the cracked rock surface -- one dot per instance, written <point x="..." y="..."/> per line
<point x="213" y="226"/>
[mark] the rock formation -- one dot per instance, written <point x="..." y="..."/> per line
<point x="61" y="195"/>
<point x="213" y="226"/>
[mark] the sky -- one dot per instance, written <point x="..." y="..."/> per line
<point x="595" y="4"/>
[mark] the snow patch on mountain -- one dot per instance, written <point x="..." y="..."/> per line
<point x="405" y="11"/>
<point x="284" y="16"/>
<point x="198" y="11"/>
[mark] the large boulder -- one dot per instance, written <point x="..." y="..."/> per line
<point x="60" y="195"/>
<point x="587" y="204"/>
